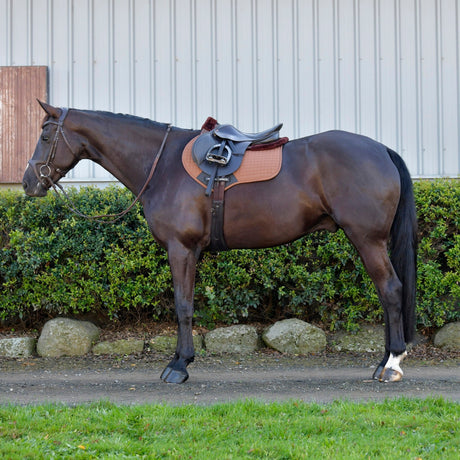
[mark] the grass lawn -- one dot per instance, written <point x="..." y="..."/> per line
<point x="397" y="429"/>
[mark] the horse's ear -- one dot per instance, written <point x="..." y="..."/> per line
<point x="50" y="110"/>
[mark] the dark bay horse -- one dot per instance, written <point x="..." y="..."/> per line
<point x="327" y="181"/>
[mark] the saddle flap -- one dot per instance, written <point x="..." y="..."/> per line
<point x="202" y="145"/>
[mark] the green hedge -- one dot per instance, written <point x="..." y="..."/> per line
<point x="53" y="262"/>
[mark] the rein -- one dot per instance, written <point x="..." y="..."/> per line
<point x="45" y="175"/>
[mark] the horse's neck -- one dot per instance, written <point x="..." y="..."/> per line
<point x="125" y="148"/>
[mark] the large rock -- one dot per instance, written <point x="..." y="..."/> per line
<point x="448" y="337"/>
<point x="119" y="347"/>
<point x="367" y="339"/>
<point x="167" y="344"/>
<point x="17" y="347"/>
<point x="294" y="336"/>
<point x="67" y="337"/>
<point x="234" y="339"/>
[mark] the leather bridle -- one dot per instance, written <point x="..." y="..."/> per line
<point x="46" y="168"/>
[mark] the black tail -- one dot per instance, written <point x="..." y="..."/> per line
<point x="403" y="245"/>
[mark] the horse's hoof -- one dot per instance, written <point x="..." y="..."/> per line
<point x="390" y="371"/>
<point x="378" y="372"/>
<point x="390" y="375"/>
<point x="170" y="375"/>
<point x="165" y="373"/>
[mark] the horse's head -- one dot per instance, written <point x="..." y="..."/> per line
<point x="57" y="152"/>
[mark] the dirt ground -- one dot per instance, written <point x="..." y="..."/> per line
<point x="263" y="375"/>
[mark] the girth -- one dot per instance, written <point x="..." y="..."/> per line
<point x="217" y="242"/>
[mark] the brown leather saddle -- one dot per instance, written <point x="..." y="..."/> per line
<point x="220" y="151"/>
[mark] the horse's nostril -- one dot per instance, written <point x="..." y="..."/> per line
<point x="25" y="185"/>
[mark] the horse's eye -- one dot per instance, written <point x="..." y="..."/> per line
<point x="45" y="138"/>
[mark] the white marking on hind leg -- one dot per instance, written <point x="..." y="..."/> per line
<point x="394" y="361"/>
<point x="393" y="371"/>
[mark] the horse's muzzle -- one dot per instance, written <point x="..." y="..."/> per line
<point x="31" y="185"/>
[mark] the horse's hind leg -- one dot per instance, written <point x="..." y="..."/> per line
<point x="183" y="267"/>
<point x="389" y="369"/>
<point x="389" y="289"/>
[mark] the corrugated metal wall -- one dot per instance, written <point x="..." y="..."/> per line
<point x="385" y="68"/>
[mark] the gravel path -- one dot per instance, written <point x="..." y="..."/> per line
<point x="263" y="376"/>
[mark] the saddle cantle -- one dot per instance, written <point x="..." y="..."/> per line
<point x="220" y="151"/>
<point x="231" y="133"/>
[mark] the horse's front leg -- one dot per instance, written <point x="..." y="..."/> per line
<point x="183" y="267"/>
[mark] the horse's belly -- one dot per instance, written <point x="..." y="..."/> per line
<point x="258" y="221"/>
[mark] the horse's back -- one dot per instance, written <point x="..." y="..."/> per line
<point x="352" y="155"/>
<point x="348" y="151"/>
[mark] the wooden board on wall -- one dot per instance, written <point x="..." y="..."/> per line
<point x="20" y="117"/>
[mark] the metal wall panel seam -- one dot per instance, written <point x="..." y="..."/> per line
<point x="111" y="50"/>
<point x="316" y="83"/>
<point x="213" y="31"/>
<point x="276" y="59"/>
<point x="457" y="15"/>
<point x="418" y="62"/>
<point x="296" y="75"/>
<point x="153" y="59"/>
<point x="357" y="57"/>
<point x="234" y="63"/>
<point x="9" y="33"/>
<point x="336" y="63"/>
<point x="91" y="54"/>
<point x="132" y="58"/>
<point x="4" y="19"/>
<point x="439" y="90"/>
<point x="94" y="62"/>
<point x="49" y="47"/>
<point x="90" y="76"/>
<point x="378" y="70"/>
<point x="70" y="60"/>
<point x="49" y="28"/>
<point x="29" y="32"/>
<point x="71" y="54"/>
<point x="256" y="65"/>
<point x="193" y="64"/>
<point x="173" y="60"/>
<point x="173" y="38"/>
<point x="398" y="85"/>
<point x="237" y="66"/>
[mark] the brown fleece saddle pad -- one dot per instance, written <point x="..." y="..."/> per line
<point x="257" y="166"/>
